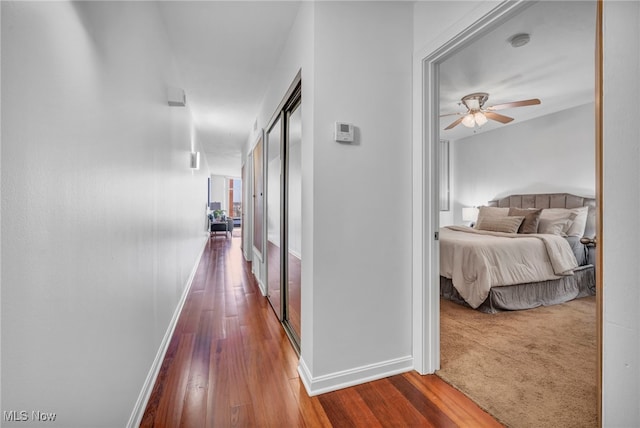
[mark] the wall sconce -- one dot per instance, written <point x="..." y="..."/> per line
<point x="470" y="214"/>
<point x="176" y="97"/>
<point x="195" y="160"/>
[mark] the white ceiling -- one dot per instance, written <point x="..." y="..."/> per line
<point x="556" y="66"/>
<point x="225" y="53"/>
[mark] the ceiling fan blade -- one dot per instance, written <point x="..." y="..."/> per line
<point x="522" y="103"/>
<point x="498" y="117"/>
<point x="456" y="123"/>
<point x="450" y="114"/>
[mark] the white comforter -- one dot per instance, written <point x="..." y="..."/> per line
<point x="477" y="260"/>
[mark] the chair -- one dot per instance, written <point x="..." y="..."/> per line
<point x="225" y="226"/>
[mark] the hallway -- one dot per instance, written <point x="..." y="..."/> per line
<point x="230" y="363"/>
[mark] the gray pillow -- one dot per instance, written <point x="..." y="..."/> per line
<point x="509" y="224"/>
<point x="531" y="218"/>
<point x="490" y="212"/>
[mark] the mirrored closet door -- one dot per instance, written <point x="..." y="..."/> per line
<point x="284" y="213"/>
<point x="274" y="175"/>
<point x="294" y="217"/>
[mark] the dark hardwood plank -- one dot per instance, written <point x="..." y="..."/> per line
<point x="169" y="405"/>
<point x="230" y="364"/>
<point x="234" y="354"/>
<point x="313" y="414"/>
<point x="392" y="407"/>
<point x="243" y="416"/>
<point x="452" y="402"/>
<point x="195" y="401"/>
<point x="346" y="408"/>
<point x="430" y="411"/>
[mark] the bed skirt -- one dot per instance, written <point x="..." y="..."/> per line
<point x="526" y="296"/>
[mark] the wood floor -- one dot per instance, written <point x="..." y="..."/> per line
<point x="293" y="284"/>
<point x="230" y="364"/>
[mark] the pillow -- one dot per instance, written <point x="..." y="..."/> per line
<point x="579" y="223"/>
<point x="491" y="212"/>
<point x="573" y="214"/>
<point x="531" y="218"/>
<point x="554" y="226"/>
<point x="507" y="224"/>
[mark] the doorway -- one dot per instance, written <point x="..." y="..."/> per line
<point x="426" y="196"/>
<point x="284" y="212"/>
<point x="234" y="201"/>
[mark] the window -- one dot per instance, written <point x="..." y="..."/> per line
<point x="443" y="169"/>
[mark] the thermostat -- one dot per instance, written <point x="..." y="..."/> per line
<point x="344" y="132"/>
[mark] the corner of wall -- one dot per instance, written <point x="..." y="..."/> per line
<point x="356" y="376"/>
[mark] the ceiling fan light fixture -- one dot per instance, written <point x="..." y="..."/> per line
<point x="480" y="118"/>
<point x="472" y="104"/>
<point x="469" y="121"/>
<point x="478" y="114"/>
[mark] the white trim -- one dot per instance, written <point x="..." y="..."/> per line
<point x="425" y="221"/>
<point x="263" y="288"/>
<point x="351" y="377"/>
<point x="295" y="254"/>
<point x="257" y="268"/>
<point x="143" y="398"/>
<point x="257" y="254"/>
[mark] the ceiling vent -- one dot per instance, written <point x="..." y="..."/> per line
<point x="519" y="40"/>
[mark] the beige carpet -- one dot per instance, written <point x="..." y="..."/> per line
<point x="533" y="368"/>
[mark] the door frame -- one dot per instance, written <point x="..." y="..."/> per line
<point x="426" y="206"/>
<point x="425" y="223"/>
<point x="291" y="101"/>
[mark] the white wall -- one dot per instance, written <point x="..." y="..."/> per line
<point x="361" y="304"/>
<point x="448" y="217"/>
<point x="247" y="207"/>
<point x="621" y="192"/>
<point x="102" y="219"/>
<point x="553" y="153"/>
<point x="219" y="187"/>
<point x="355" y="59"/>
<point x="621" y="195"/>
<point x="297" y="56"/>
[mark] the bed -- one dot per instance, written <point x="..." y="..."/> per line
<point x="525" y="251"/>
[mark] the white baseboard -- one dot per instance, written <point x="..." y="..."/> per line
<point x="256" y="270"/>
<point x="141" y="404"/>
<point x="356" y="376"/>
<point x="263" y="288"/>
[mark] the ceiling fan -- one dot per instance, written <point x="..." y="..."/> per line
<point x="477" y="114"/>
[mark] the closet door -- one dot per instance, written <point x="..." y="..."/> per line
<point x="284" y="213"/>
<point x="258" y="196"/>
<point x="293" y="188"/>
<point x="274" y="217"/>
<point x="245" y="205"/>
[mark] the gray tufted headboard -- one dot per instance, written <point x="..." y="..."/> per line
<point x="552" y="200"/>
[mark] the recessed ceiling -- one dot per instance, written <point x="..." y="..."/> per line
<point x="557" y="65"/>
<point x="225" y="53"/>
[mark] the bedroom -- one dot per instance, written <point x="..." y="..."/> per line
<point x="548" y="148"/>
